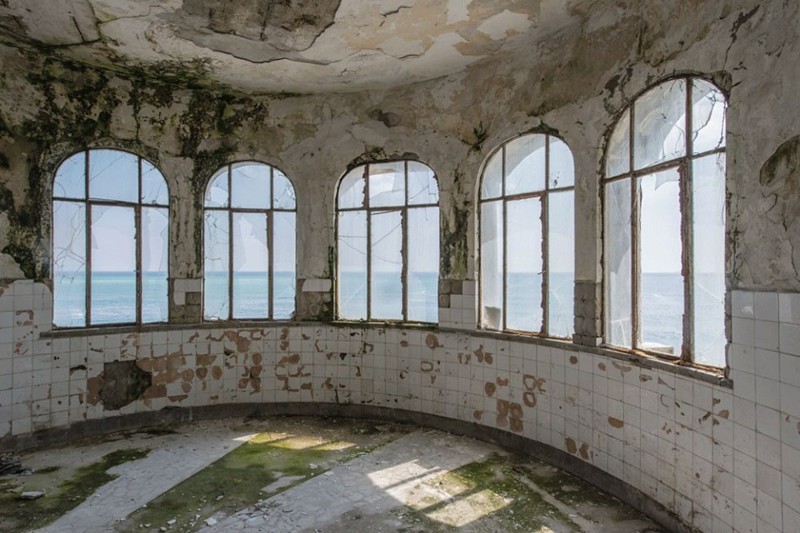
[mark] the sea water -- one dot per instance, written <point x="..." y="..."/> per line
<point x="113" y="298"/>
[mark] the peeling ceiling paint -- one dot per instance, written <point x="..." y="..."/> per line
<point x="304" y="46"/>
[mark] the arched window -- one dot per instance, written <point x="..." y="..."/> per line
<point x="110" y="240"/>
<point x="388" y="243"/>
<point x="249" y="236"/>
<point x="527" y="252"/>
<point x="664" y="210"/>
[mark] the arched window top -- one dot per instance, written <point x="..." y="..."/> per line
<point x="110" y="174"/>
<point x="528" y="164"/>
<point x="655" y="124"/>
<point x="388" y="184"/>
<point x="250" y="185"/>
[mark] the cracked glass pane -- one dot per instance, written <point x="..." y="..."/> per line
<point x="386" y="255"/>
<point x="618" y="156"/>
<point x="618" y="265"/>
<point x="524" y="263"/>
<point x="352" y="264"/>
<point x="154" y="187"/>
<point x="562" y="167"/>
<point x="492" y="182"/>
<point x="352" y="189"/>
<point x="283" y="191"/>
<point x="217" y="191"/>
<point x="708" y="117"/>
<point x="250" y="266"/>
<point x="113" y="175"/>
<point x="423" y="264"/>
<point x="283" y="264"/>
<point x="69" y="264"/>
<point x="155" y="238"/>
<point x="216" y="265"/>
<point x="525" y="164"/>
<point x="113" y="268"/>
<point x="387" y="184"/>
<point x="709" y="259"/>
<point x="492" y="265"/>
<point x="70" y="179"/>
<point x="660" y="124"/>
<point x="661" y="302"/>
<point x="561" y="262"/>
<point x="250" y="186"/>
<point x="422" y="187"/>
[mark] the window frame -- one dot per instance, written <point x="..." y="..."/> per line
<point x="268" y="212"/>
<point x="544" y="195"/>
<point x="88" y="202"/>
<point x="684" y="168"/>
<point x="369" y="210"/>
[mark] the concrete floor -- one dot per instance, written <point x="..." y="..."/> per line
<point x="301" y="474"/>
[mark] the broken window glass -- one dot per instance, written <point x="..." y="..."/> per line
<point x="492" y="182"/>
<point x="660" y="124"/>
<point x="618" y="241"/>
<point x="618" y="156"/>
<point x="661" y="292"/>
<point x="516" y="231"/>
<point x="388" y="243"/>
<point x="249" y="244"/>
<point x="680" y="191"/>
<point x="103" y="275"/>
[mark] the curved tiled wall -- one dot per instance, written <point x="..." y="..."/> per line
<point x="713" y="455"/>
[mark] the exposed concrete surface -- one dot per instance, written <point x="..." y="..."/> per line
<point x="408" y="479"/>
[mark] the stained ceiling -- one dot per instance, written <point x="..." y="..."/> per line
<point x="282" y="45"/>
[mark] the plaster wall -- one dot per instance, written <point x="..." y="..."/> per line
<point x="722" y="454"/>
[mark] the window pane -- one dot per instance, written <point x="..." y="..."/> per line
<point x="154" y="187"/>
<point x="283" y="190"/>
<point x="524" y="260"/>
<point x="351" y="190"/>
<point x="422" y="187"/>
<point x="70" y="179"/>
<point x="216" y="265"/>
<point x="423" y="264"/>
<point x="708" y="117"/>
<point x="492" y="182"/>
<point x="113" y="175"/>
<point x="155" y="237"/>
<point x="250" y="266"/>
<point x="562" y="167"/>
<point x="69" y="264"/>
<point x="386" y="246"/>
<point x="352" y="261"/>
<point x="561" y="262"/>
<point x="661" y="294"/>
<point x="660" y="124"/>
<point x="387" y="186"/>
<point x="283" y="264"/>
<point x="618" y="157"/>
<point x="709" y="260"/>
<point x="525" y="164"/>
<point x="492" y="265"/>
<point x="618" y="263"/>
<point x="113" y="269"/>
<point x="217" y="192"/>
<point x="250" y="185"/>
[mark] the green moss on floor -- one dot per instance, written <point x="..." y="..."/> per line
<point x="481" y="496"/>
<point x="239" y="479"/>
<point x="23" y="515"/>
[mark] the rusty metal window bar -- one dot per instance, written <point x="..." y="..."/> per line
<point x="527" y="237"/>
<point x="110" y="235"/>
<point x="388" y="243"/>
<point x="664" y="224"/>
<point x="249" y="244"/>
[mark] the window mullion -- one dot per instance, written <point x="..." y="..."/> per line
<point x="545" y="222"/>
<point x="369" y="244"/>
<point x="270" y="245"/>
<point x="635" y="244"/>
<point x="687" y="223"/>
<point x="505" y="244"/>
<point x="88" y="269"/>
<point x="230" y="245"/>
<point x="404" y="250"/>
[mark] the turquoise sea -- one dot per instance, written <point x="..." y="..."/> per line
<point x="114" y="296"/>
